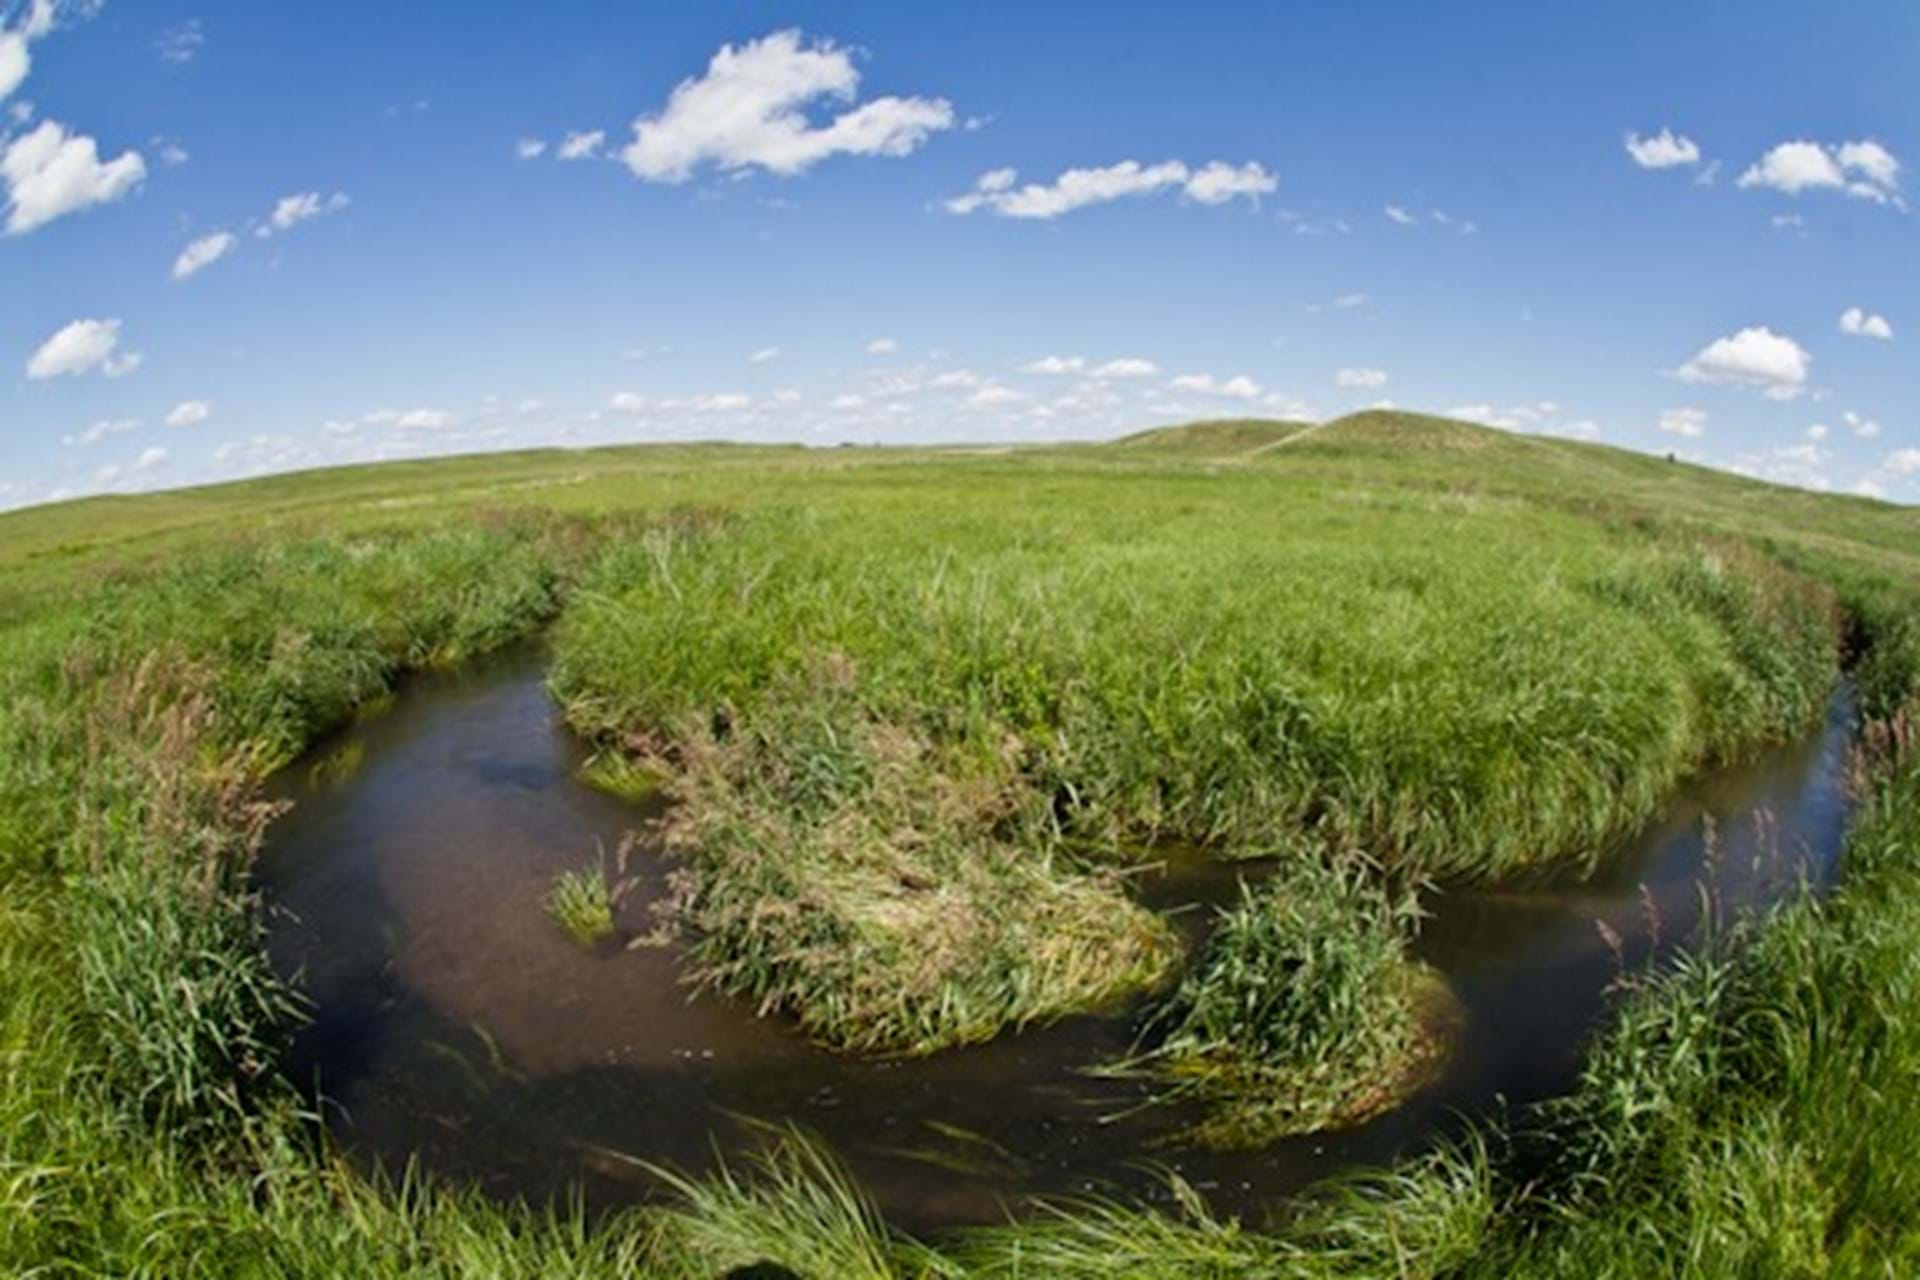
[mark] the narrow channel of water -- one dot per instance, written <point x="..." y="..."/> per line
<point x="455" y="1024"/>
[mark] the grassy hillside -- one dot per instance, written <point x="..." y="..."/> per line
<point x="920" y="711"/>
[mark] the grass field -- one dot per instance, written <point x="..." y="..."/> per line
<point x="919" y="713"/>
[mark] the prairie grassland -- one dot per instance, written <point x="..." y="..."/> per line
<point x="894" y="688"/>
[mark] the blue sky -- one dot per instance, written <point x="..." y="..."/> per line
<point x="247" y="237"/>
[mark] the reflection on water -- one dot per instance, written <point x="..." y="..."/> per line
<point x="457" y="1024"/>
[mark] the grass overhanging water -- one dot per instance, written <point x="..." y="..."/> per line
<point x="969" y="692"/>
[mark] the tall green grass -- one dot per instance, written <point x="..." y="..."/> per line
<point x="971" y="686"/>
<point x="1306" y="1012"/>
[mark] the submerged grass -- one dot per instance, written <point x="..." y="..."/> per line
<point x="915" y="708"/>
<point x="581" y="902"/>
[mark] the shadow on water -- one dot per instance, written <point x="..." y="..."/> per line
<point x="455" y="1023"/>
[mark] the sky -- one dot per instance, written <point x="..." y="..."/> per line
<point x="239" y="238"/>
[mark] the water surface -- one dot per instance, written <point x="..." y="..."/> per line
<point x="456" y="1025"/>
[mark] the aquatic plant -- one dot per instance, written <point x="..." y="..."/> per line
<point x="1306" y="1011"/>
<point x="581" y="901"/>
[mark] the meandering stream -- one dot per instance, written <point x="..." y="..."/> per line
<point x="455" y="1024"/>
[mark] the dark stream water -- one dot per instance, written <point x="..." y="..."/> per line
<point x="455" y="1024"/>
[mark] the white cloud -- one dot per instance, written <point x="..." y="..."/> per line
<point x="290" y="211"/>
<point x="1218" y="182"/>
<point x="1239" y="387"/>
<point x="1215" y="183"/>
<point x="171" y="153"/>
<point x="181" y="44"/>
<point x="529" y="148"/>
<point x="1863" y="324"/>
<point x="151" y="457"/>
<point x="79" y="347"/>
<point x="1691" y="423"/>
<point x="1664" y="150"/>
<point x="993" y="395"/>
<point x="763" y="355"/>
<point x="1125" y="367"/>
<point x="1871" y="161"/>
<point x="748" y="111"/>
<point x="35" y="22"/>
<point x="1348" y="301"/>
<point x="1864" y="170"/>
<point x="1055" y="365"/>
<point x="189" y="413"/>
<point x="1793" y="167"/>
<point x="203" y="252"/>
<point x="100" y="430"/>
<point x="1902" y="462"/>
<point x="1401" y="216"/>
<point x="627" y="402"/>
<point x="1755" y="357"/>
<point x="882" y="347"/>
<point x="1867" y="487"/>
<point x="847" y="401"/>
<point x="581" y="146"/>
<point x="15" y="62"/>
<point x="1360" y="378"/>
<point x="50" y="172"/>
<point x="1817" y="432"/>
<point x="410" y="419"/>
<point x="1865" y="428"/>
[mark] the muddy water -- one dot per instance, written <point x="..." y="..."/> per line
<point x="455" y="1024"/>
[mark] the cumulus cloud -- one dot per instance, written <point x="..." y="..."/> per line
<point x="1360" y="378"/>
<point x="1663" y="150"/>
<point x="529" y="148"/>
<point x="290" y="211"/>
<point x="1124" y="367"/>
<point x="581" y="146"/>
<point x="1865" y="428"/>
<point x="79" y="347"/>
<point x="1865" y="170"/>
<point x="34" y="22"/>
<point x="189" y="413"/>
<point x="150" y="457"/>
<point x="1757" y="358"/>
<point x="749" y="112"/>
<point x="202" y="253"/>
<point x="1397" y="214"/>
<point x="1218" y="182"/>
<point x="1690" y="423"/>
<point x="50" y="172"/>
<point x="882" y="347"/>
<point x="1214" y="183"/>
<point x="1239" y="387"/>
<point x="1055" y="365"/>
<point x="1865" y="324"/>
